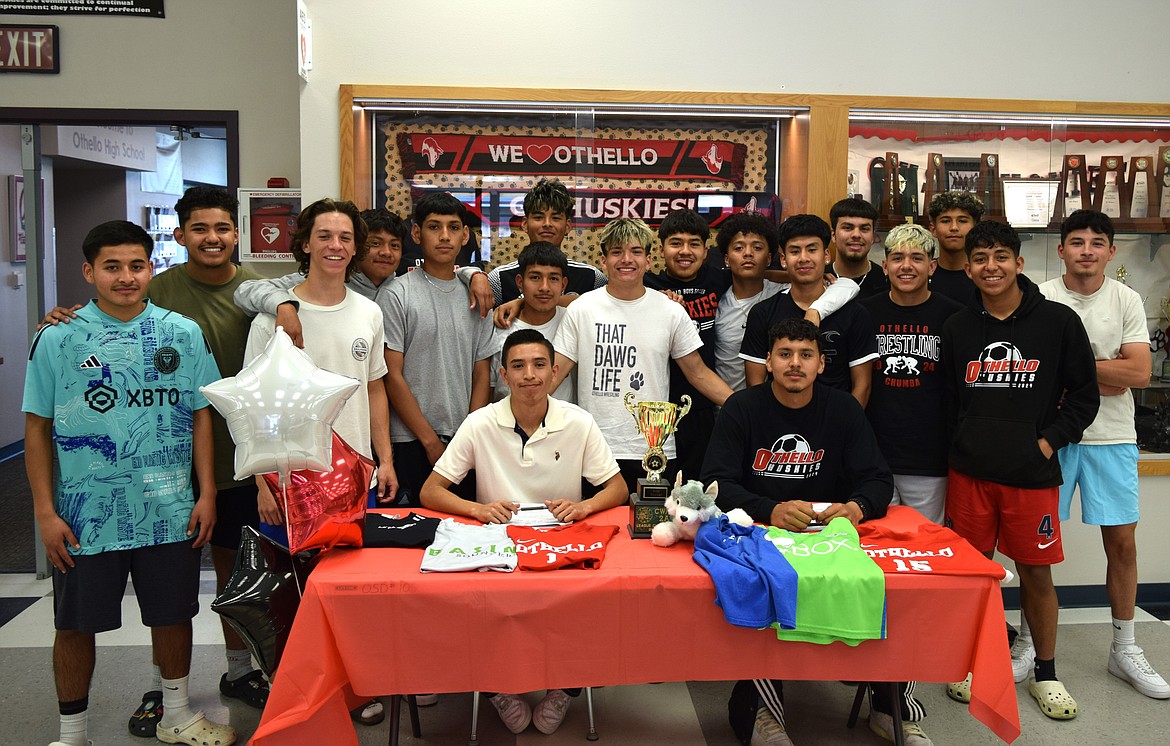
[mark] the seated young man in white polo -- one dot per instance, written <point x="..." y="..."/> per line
<point x="527" y="448"/>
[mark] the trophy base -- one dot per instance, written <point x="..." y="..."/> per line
<point x="648" y="508"/>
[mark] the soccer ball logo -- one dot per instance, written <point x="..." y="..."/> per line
<point x="791" y="443"/>
<point x="1000" y="352"/>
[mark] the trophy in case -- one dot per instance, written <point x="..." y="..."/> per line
<point x="1141" y="196"/>
<point x="1162" y="179"/>
<point x="1073" y="193"/>
<point x="935" y="183"/>
<point x="989" y="188"/>
<point x="1107" y="189"/>
<point x="656" y="420"/>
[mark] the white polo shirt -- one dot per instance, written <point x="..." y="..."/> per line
<point x="567" y="446"/>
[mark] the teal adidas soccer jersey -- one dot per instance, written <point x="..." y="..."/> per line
<point x="122" y="397"/>
<point x="841" y="592"/>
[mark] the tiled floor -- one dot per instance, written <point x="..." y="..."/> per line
<point x="672" y="714"/>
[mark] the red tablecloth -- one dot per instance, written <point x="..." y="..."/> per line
<point x="371" y="624"/>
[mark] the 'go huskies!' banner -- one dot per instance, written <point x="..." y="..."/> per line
<point x="685" y="160"/>
<point x="593" y="208"/>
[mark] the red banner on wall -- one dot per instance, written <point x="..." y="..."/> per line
<point x="690" y="160"/>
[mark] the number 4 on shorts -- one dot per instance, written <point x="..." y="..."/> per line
<point x="1045" y="528"/>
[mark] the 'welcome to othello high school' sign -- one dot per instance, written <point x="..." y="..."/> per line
<point x="30" y="49"/>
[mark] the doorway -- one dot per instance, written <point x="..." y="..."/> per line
<point x="76" y="193"/>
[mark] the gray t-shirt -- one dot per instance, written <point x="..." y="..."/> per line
<point x="429" y="321"/>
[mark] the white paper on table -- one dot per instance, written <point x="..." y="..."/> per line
<point x="534" y="515"/>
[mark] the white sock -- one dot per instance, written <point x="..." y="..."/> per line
<point x="1123" y="638"/>
<point x="155" y="680"/>
<point x="73" y="729"/>
<point x="239" y="664"/>
<point x="176" y="703"/>
<point x="1025" y="631"/>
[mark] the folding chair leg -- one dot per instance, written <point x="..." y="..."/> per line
<point x="415" y="727"/>
<point x="857" y="699"/>
<point x="474" y="740"/>
<point x="896" y="715"/>
<point x="591" y="735"/>
<point x="395" y="718"/>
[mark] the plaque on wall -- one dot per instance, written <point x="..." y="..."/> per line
<point x="934" y="184"/>
<point x="1074" y="192"/>
<point x="1107" y="192"/>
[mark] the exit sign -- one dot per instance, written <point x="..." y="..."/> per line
<point x="30" y="49"/>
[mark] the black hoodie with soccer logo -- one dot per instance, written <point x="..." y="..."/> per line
<point x="1013" y="381"/>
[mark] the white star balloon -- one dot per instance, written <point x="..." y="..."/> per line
<point x="280" y="410"/>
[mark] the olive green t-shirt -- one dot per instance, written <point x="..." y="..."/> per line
<point x="224" y="326"/>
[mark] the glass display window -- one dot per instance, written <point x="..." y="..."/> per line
<point x="1032" y="171"/>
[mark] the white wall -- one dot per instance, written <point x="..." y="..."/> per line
<point x="1083" y="50"/>
<point x="205" y="55"/>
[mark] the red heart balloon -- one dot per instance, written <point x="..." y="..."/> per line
<point x="326" y="509"/>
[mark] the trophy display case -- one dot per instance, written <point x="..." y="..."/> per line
<point x="1032" y="171"/>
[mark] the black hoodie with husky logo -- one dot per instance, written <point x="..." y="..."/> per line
<point x="1013" y="381"/>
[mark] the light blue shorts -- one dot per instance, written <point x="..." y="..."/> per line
<point x="1107" y="476"/>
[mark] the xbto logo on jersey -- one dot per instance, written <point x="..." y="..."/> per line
<point x="157" y="397"/>
<point x="101" y="398"/>
<point x="166" y="360"/>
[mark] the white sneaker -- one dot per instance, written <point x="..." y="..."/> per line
<point x="550" y="711"/>
<point x="426" y="700"/>
<point x="514" y="711"/>
<point x="1023" y="659"/>
<point x="912" y="733"/>
<point x="768" y="731"/>
<point x="1131" y="665"/>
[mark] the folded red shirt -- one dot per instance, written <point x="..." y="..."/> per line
<point x="576" y="545"/>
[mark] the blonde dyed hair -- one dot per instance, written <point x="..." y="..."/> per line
<point x="624" y="231"/>
<point x="911" y="236"/>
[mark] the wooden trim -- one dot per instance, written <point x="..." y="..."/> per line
<point x="828" y="156"/>
<point x="585" y="95"/>
<point x="1153" y="466"/>
<point x="793" y="184"/>
<point x="345" y="114"/>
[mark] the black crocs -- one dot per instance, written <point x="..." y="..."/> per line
<point x="251" y="689"/>
<point x="144" y="721"/>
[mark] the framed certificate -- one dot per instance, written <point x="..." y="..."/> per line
<point x="1028" y="203"/>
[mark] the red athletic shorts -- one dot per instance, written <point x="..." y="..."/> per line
<point x="1022" y="524"/>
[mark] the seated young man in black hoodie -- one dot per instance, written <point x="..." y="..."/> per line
<point x="1021" y="384"/>
<point x="753" y="455"/>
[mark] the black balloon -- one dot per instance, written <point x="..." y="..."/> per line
<point x="260" y="600"/>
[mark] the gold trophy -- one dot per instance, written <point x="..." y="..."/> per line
<point x="656" y="420"/>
